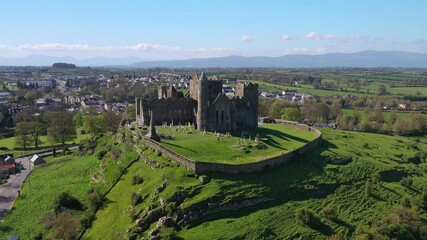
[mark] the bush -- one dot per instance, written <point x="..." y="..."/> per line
<point x="87" y="219"/>
<point x="64" y="200"/>
<point x="405" y="202"/>
<point x="305" y="216"/>
<point x="101" y="153"/>
<point x="135" y="199"/>
<point x="329" y="212"/>
<point x="407" y="182"/>
<point x="423" y="201"/>
<point x="137" y="180"/>
<point x="95" y="198"/>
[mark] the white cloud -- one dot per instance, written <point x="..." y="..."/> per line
<point x="89" y="50"/>
<point x="313" y="35"/>
<point x="321" y="50"/>
<point x="247" y="38"/>
<point x="304" y="50"/>
<point x="297" y="50"/>
<point x="286" y="38"/>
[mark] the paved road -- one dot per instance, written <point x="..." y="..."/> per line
<point x="9" y="190"/>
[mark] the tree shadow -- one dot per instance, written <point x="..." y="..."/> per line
<point x="178" y="146"/>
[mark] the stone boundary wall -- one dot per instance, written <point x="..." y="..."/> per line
<point x="201" y="167"/>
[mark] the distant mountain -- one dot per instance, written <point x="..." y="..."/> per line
<point x="42" y="60"/>
<point x="359" y="59"/>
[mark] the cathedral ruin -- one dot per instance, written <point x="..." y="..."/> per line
<point x="205" y="105"/>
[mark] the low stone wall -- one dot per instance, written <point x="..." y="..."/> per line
<point x="201" y="167"/>
<point x="189" y="164"/>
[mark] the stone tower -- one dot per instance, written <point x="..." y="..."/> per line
<point x="202" y="100"/>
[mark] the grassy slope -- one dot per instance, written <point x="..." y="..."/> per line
<point x="47" y="183"/>
<point x="199" y="147"/>
<point x="113" y="219"/>
<point x="308" y="182"/>
<point x="319" y="185"/>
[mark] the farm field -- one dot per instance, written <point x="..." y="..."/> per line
<point x="197" y="146"/>
<point x="386" y="114"/>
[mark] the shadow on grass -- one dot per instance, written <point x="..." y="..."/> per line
<point x="178" y="146"/>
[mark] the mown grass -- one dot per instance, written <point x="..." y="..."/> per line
<point x="61" y="174"/>
<point x="278" y="139"/>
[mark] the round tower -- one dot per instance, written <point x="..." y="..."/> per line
<point x="202" y="103"/>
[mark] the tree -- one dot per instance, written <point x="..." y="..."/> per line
<point x="94" y="124"/>
<point x="36" y="130"/>
<point x="291" y="114"/>
<point x="400" y="127"/>
<point x="78" y="119"/>
<point x="276" y="109"/>
<point x="65" y="226"/>
<point x="382" y="90"/>
<point x="417" y="123"/>
<point x="111" y="121"/>
<point x="130" y="112"/>
<point x="23" y="135"/>
<point x="61" y="127"/>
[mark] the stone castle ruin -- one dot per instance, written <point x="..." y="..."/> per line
<point x="205" y="105"/>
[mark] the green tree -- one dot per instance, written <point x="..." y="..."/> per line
<point x="23" y="134"/>
<point x="382" y="90"/>
<point x="36" y="131"/>
<point x="61" y="127"/>
<point x="417" y="123"/>
<point x="291" y="114"/>
<point x="276" y="109"/>
<point x="94" y="124"/>
<point x="130" y="112"/>
<point x="111" y="121"/>
<point x="400" y="127"/>
<point x="78" y="119"/>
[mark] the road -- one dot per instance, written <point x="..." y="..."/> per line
<point x="9" y="190"/>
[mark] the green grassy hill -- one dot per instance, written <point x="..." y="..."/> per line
<point x="263" y="205"/>
<point x="349" y="186"/>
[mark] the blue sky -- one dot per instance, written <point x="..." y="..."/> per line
<point x="183" y="29"/>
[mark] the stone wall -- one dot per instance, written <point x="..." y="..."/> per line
<point x="201" y="167"/>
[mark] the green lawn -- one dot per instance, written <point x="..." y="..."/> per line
<point x="61" y="174"/>
<point x="10" y="144"/>
<point x="234" y="150"/>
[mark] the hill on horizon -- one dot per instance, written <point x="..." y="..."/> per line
<point x="359" y="59"/>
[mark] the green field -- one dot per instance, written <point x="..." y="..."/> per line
<point x="10" y="144"/>
<point x="386" y="114"/>
<point x="62" y="174"/>
<point x="197" y="146"/>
